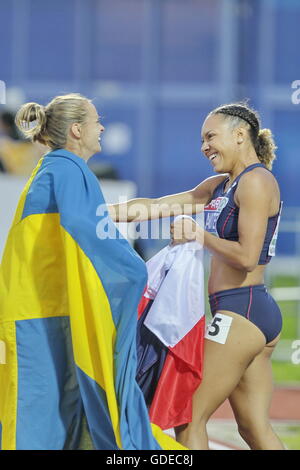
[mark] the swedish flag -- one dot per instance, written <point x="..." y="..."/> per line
<point x="68" y="314"/>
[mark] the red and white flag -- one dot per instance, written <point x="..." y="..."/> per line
<point x="176" y="317"/>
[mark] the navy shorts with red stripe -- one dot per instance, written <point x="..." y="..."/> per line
<point x="253" y="303"/>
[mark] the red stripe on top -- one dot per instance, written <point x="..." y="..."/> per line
<point x="250" y="303"/>
<point x="225" y="223"/>
<point x="216" y="302"/>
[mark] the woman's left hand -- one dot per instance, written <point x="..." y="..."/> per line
<point x="185" y="230"/>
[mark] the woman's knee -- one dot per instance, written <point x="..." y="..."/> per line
<point x="253" y="431"/>
<point x="201" y="417"/>
<point x="246" y="433"/>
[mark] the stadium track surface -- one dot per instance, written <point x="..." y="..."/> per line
<point x="285" y="411"/>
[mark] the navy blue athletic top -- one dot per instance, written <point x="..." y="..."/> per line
<point x="221" y="217"/>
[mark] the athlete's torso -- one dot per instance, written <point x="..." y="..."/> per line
<point x="221" y="218"/>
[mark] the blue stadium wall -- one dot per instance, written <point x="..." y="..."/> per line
<point x="159" y="66"/>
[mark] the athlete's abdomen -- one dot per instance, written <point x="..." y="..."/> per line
<point x="222" y="276"/>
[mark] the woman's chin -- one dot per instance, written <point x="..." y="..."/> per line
<point x="218" y="169"/>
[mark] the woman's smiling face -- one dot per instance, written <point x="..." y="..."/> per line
<point x="219" y="143"/>
<point x="91" y="131"/>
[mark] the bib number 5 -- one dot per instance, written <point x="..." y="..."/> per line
<point x="218" y="329"/>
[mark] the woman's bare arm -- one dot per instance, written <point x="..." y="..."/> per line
<point x="188" y="202"/>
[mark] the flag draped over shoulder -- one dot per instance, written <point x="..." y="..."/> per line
<point x="170" y="339"/>
<point x="68" y="310"/>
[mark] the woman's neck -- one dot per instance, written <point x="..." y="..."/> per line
<point x="241" y="165"/>
<point x="77" y="150"/>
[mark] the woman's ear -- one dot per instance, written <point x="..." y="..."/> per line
<point x="240" y="135"/>
<point x="76" y="130"/>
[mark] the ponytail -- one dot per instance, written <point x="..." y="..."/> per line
<point x="31" y="119"/>
<point x="50" y="125"/>
<point x="265" y="147"/>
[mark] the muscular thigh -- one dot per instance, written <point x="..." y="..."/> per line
<point x="251" y="399"/>
<point x="224" y="364"/>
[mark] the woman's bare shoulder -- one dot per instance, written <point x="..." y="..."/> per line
<point x="204" y="191"/>
<point x="213" y="181"/>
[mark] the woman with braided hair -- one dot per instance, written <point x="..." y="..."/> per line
<point x="242" y="207"/>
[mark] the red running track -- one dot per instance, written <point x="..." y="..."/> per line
<point x="285" y="405"/>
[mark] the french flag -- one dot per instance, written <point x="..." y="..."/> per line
<point x="170" y="334"/>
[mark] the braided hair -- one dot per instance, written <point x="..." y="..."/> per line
<point x="262" y="139"/>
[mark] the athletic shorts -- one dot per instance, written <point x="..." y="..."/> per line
<point x="253" y="303"/>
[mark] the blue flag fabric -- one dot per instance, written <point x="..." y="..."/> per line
<point x="68" y="316"/>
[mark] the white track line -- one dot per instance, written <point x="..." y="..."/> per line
<point x="213" y="445"/>
<point x="217" y="446"/>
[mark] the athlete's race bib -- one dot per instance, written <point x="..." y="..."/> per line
<point x="212" y="213"/>
<point x="218" y="329"/>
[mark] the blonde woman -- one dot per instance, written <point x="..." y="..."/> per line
<point x="68" y="300"/>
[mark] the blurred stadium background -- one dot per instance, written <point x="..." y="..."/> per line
<point x="154" y="69"/>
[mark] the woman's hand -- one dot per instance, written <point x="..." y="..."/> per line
<point x="185" y="229"/>
<point x="112" y="212"/>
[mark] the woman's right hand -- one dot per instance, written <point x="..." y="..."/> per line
<point x="112" y="212"/>
<point x="185" y="229"/>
